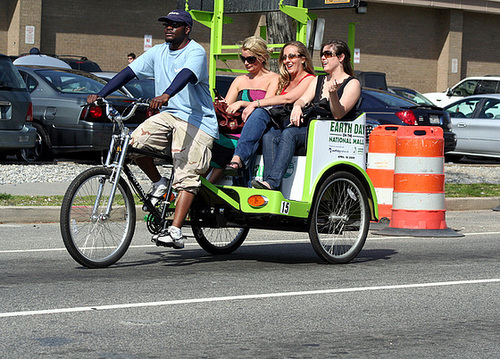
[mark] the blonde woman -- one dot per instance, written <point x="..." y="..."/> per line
<point x="258" y="84"/>
<point x="296" y="73"/>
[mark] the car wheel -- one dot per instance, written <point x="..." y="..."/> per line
<point x="42" y="150"/>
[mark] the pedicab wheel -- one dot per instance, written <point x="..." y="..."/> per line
<point x="219" y="240"/>
<point x="91" y="238"/>
<point x="340" y="218"/>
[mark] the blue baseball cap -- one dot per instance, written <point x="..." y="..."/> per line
<point x="179" y="16"/>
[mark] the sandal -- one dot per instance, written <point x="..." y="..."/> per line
<point x="260" y="184"/>
<point x="234" y="169"/>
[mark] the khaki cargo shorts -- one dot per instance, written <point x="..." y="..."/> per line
<point x="191" y="147"/>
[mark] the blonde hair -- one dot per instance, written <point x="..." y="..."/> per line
<point x="257" y="46"/>
<point x="285" y="77"/>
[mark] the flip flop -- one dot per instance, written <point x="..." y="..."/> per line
<point x="233" y="169"/>
<point x="260" y="185"/>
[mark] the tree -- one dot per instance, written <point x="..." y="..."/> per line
<point x="280" y="29"/>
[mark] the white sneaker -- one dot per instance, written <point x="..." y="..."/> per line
<point x="169" y="238"/>
<point x="158" y="190"/>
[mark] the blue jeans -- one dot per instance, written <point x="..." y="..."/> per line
<point x="278" y="148"/>
<point x="255" y="126"/>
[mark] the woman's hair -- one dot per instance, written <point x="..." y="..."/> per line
<point x="258" y="46"/>
<point x="341" y="48"/>
<point x="285" y="77"/>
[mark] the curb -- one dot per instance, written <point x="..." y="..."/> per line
<point x="50" y="214"/>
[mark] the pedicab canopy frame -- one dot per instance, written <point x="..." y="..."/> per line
<point x="211" y="14"/>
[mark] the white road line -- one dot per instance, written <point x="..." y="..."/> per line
<point x="243" y="297"/>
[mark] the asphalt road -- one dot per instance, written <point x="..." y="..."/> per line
<point x="273" y="298"/>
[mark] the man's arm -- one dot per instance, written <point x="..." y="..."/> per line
<point x="115" y="83"/>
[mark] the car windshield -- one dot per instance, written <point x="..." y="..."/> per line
<point x="10" y="79"/>
<point x="391" y="100"/>
<point x="71" y="82"/>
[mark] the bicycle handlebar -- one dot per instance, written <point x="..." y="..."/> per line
<point x="114" y="115"/>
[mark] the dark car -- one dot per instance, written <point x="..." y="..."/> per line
<point x="62" y="122"/>
<point x="16" y="111"/>
<point x="384" y="108"/>
<point x="80" y="63"/>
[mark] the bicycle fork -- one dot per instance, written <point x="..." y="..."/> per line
<point x="121" y="153"/>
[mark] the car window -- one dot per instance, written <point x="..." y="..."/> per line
<point x="466" y="88"/>
<point x="141" y="88"/>
<point x="391" y="100"/>
<point x="490" y="109"/>
<point x="487" y="86"/>
<point x="68" y="82"/>
<point x="30" y="82"/>
<point x="10" y="79"/>
<point x="463" y="109"/>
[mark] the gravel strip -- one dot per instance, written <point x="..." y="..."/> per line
<point x="67" y="171"/>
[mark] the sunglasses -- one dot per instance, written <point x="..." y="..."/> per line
<point x="174" y="24"/>
<point x="327" y="54"/>
<point x="249" y="59"/>
<point x="290" y="56"/>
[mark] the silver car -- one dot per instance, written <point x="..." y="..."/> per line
<point x="63" y="124"/>
<point x="16" y="112"/>
<point x="476" y="122"/>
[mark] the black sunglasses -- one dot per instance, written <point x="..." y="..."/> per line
<point x="174" y="24"/>
<point x="290" y="56"/>
<point x="249" y="59"/>
<point x="327" y="54"/>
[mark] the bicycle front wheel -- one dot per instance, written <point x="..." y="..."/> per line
<point x="92" y="238"/>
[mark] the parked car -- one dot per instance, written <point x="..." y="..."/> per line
<point x="63" y="61"/>
<point x="80" y="63"/>
<point x="136" y="88"/>
<point x="384" y="108"/>
<point x="16" y="111"/>
<point x="467" y="87"/>
<point x="476" y="122"/>
<point x="62" y="122"/>
<point x="411" y="94"/>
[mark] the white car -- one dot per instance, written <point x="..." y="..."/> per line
<point x="469" y="86"/>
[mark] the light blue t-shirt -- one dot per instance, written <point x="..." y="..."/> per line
<point x="193" y="103"/>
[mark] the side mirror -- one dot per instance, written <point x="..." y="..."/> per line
<point x="449" y="92"/>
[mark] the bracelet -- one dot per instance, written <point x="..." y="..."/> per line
<point x="258" y="103"/>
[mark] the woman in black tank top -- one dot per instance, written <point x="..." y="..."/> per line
<point x="338" y="92"/>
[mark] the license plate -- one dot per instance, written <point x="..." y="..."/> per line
<point x="434" y="119"/>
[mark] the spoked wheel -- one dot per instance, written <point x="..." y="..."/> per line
<point x="219" y="240"/>
<point x="91" y="238"/>
<point x="340" y="218"/>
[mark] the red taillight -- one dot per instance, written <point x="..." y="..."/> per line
<point x="407" y="117"/>
<point x="95" y="112"/>
<point x="29" y="115"/>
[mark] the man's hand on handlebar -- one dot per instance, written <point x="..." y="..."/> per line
<point x="159" y="101"/>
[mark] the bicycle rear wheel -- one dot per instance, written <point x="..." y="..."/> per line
<point x="91" y="238"/>
<point x="340" y="218"/>
<point x="219" y="240"/>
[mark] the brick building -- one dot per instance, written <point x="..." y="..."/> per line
<point x="427" y="45"/>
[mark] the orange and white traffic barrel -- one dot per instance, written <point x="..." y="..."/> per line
<point x="380" y="166"/>
<point x="418" y="199"/>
